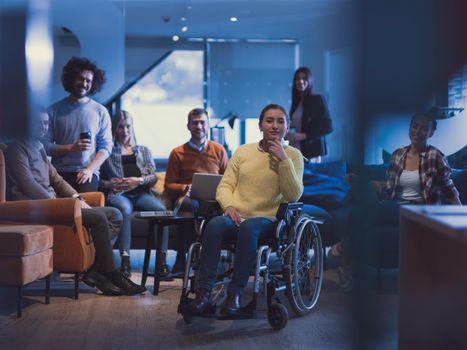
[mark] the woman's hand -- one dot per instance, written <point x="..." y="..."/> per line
<point x="129" y="183"/>
<point x="276" y="149"/>
<point x="232" y="213"/>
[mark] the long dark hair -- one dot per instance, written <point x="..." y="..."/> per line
<point x="295" y="93"/>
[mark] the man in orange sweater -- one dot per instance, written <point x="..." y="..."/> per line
<point x="198" y="155"/>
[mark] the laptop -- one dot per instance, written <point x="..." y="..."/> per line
<point x="165" y="213"/>
<point x="204" y="186"/>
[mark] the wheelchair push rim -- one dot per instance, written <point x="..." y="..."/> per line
<point x="305" y="276"/>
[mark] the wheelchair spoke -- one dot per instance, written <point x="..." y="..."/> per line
<point x="306" y="267"/>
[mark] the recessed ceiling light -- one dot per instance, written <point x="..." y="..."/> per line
<point x="184" y="29"/>
<point x="175" y="38"/>
<point x="233" y="19"/>
<point x="183" y="19"/>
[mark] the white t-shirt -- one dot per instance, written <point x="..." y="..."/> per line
<point x="410" y="186"/>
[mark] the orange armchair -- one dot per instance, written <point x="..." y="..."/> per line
<point x="73" y="249"/>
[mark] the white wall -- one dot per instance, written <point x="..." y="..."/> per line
<point x="100" y="29"/>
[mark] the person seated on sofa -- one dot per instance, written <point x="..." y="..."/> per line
<point x="127" y="177"/>
<point x="259" y="177"/>
<point x="418" y="173"/>
<point x="32" y="176"/>
<point x="198" y="155"/>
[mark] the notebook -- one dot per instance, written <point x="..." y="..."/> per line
<point x="165" y="213"/>
<point x="204" y="186"/>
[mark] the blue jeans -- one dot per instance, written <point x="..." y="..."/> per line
<point x="247" y="235"/>
<point x="127" y="204"/>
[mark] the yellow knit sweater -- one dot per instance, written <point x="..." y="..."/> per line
<point x="255" y="183"/>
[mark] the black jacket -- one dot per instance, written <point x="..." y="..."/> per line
<point x="316" y="122"/>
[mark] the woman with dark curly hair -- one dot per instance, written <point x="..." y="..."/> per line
<point x="310" y="117"/>
<point x="79" y="138"/>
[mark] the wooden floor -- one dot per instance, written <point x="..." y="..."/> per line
<point x="147" y="322"/>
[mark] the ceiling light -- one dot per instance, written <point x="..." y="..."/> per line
<point x="175" y="38"/>
<point x="183" y="19"/>
<point x="233" y="19"/>
<point x="184" y="29"/>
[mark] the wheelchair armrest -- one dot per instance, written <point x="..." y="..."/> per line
<point x="208" y="209"/>
<point x="285" y="208"/>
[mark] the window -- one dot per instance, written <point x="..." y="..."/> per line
<point x="160" y="102"/>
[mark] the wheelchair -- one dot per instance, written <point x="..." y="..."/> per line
<point x="297" y="246"/>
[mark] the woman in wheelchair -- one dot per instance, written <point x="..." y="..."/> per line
<point x="259" y="177"/>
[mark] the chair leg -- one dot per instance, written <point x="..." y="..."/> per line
<point x="20" y="301"/>
<point x="47" y="290"/>
<point x="76" y="286"/>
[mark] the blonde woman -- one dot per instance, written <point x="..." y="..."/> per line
<point x="127" y="177"/>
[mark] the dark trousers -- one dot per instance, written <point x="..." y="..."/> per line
<point x="247" y="235"/>
<point x="185" y="233"/>
<point x="86" y="187"/>
<point x="103" y="224"/>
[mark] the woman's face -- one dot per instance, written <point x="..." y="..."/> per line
<point x="124" y="130"/>
<point x="420" y="130"/>
<point x="274" y="125"/>
<point x="301" y="82"/>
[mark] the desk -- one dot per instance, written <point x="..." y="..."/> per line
<point x="433" y="277"/>
<point x="160" y="222"/>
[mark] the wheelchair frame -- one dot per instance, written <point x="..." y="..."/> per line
<point x="297" y="244"/>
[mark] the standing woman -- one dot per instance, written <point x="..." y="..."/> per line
<point x="127" y="176"/>
<point x="310" y="119"/>
<point x="259" y="177"/>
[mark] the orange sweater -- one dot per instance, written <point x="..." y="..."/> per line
<point x="184" y="161"/>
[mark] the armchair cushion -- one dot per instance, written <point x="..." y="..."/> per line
<point x="23" y="240"/>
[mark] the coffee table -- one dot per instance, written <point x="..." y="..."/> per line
<point x="160" y="221"/>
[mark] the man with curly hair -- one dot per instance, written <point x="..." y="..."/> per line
<point x="80" y="137"/>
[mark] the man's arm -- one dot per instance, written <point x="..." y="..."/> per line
<point x="85" y="175"/>
<point x="172" y="175"/>
<point x="61" y="150"/>
<point x="103" y="149"/>
<point x="60" y="186"/>
<point x="19" y="170"/>
<point x="55" y="150"/>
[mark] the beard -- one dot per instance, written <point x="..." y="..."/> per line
<point x="79" y="92"/>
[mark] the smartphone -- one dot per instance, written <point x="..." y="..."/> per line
<point x="86" y="135"/>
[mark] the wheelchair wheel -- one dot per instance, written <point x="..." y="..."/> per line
<point x="278" y="316"/>
<point x="223" y="277"/>
<point x="305" y="275"/>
